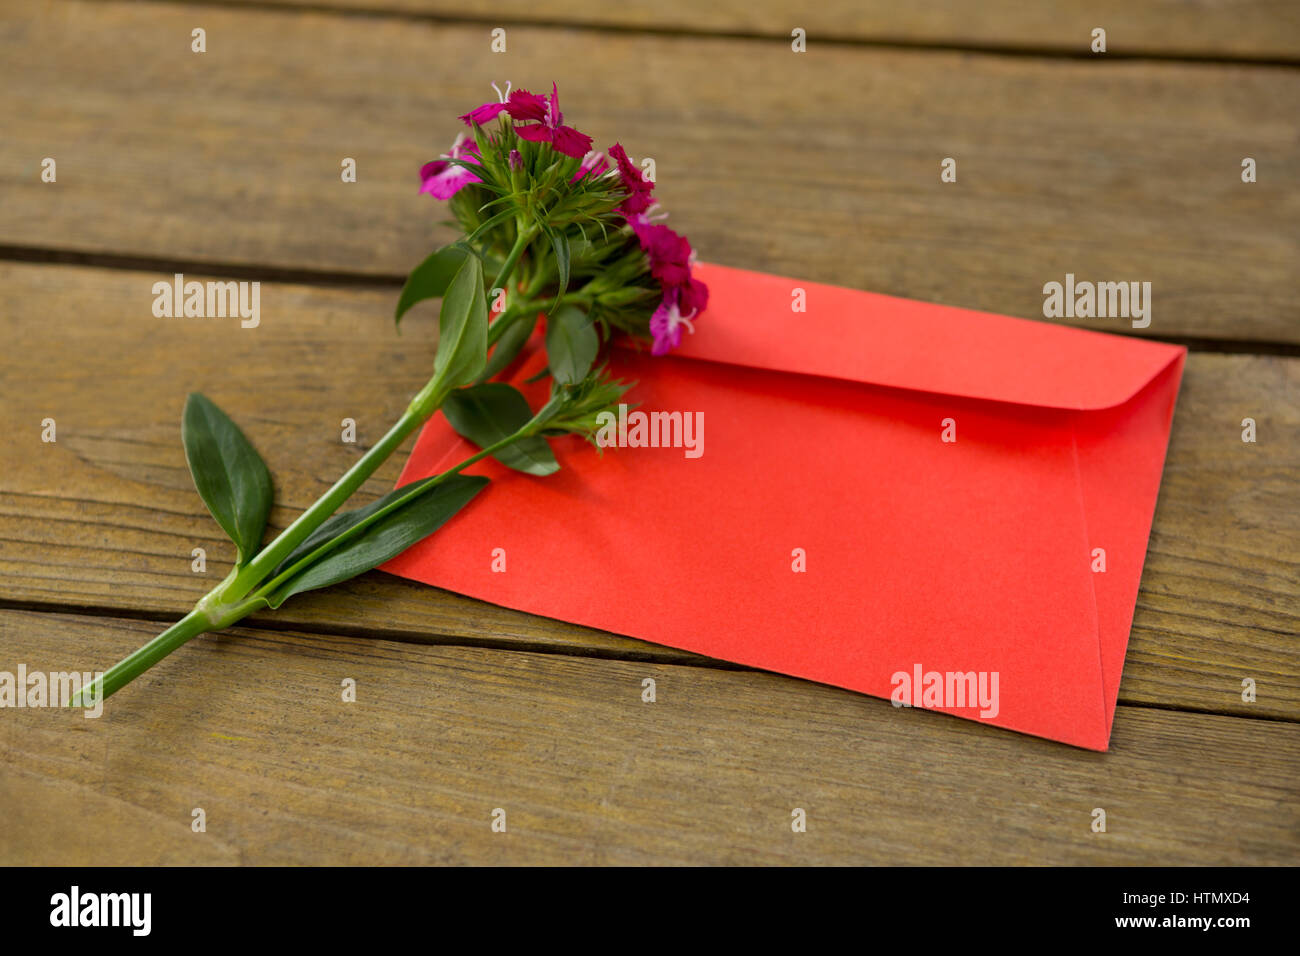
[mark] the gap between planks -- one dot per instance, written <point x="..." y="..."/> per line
<point x="336" y="279"/>
<point x="658" y="655"/>
<point x="379" y="11"/>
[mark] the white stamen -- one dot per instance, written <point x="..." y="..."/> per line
<point x="455" y="147"/>
<point x="501" y="97"/>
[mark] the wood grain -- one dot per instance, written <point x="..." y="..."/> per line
<point x="106" y="517"/>
<point x="823" y="166"/>
<point x="250" y="727"/>
<point x="1249" y="29"/>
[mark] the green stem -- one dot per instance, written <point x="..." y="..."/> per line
<point x="129" y="668"/>
<point x="512" y="260"/>
<point x="500" y="324"/>
<point x="311" y="519"/>
<point x="509" y="317"/>
<point x="231" y="601"/>
<point x="266" y="590"/>
<point x="211" y="614"/>
<point x="538" y="282"/>
<point x="208" y="615"/>
<point x="530" y="306"/>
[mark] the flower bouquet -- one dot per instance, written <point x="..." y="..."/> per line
<point x="554" y="234"/>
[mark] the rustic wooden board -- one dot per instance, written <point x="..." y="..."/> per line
<point x="1249" y="29"/>
<point x="823" y="166"/>
<point x="106" y="517"/>
<point x="251" y="728"/>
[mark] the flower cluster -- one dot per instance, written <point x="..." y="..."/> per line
<point x="669" y="254"/>
<point x="592" y="232"/>
<point x="547" y="124"/>
<point x="443" y="177"/>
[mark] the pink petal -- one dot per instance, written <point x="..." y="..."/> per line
<point x="638" y="187"/>
<point x="526" y="106"/>
<point x="666" y="335"/>
<point x="553" y="115"/>
<point x="535" y="133"/>
<point x="671" y="273"/>
<point x="432" y="169"/>
<point x="694" y="296"/>
<point x="634" y="204"/>
<point x="449" y="181"/>
<point x="571" y="143"/>
<point x="594" y="167"/>
<point x="483" y="114"/>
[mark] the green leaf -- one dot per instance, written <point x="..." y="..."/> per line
<point x="346" y="520"/>
<point x="413" y="513"/>
<point x="231" y="476"/>
<point x="560" y="243"/>
<point x="571" y="344"/>
<point x="462" y="328"/>
<point x="511" y="342"/>
<point x="429" y="280"/>
<point x="488" y="413"/>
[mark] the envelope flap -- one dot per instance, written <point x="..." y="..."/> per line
<point x="902" y="343"/>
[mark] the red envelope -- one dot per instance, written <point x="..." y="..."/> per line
<point x="942" y="507"/>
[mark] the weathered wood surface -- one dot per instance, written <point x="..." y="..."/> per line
<point x="106" y="517"/>
<point x="824" y="167"/>
<point x="251" y="727"/>
<point x="1247" y="29"/>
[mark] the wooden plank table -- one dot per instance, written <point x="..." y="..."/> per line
<point x="822" y="165"/>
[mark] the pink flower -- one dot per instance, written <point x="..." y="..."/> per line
<point x="638" y="187"/>
<point x="526" y="107"/>
<point x="519" y="105"/>
<point x="642" y="222"/>
<point x="550" y="128"/>
<point x="442" y="179"/>
<point x="693" y="296"/>
<point x="516" y="160"/>
<point x="544" y="116"/>
<point x="670" y="254"/>
<point x="483" y="114"/>
<point x="593" y="163"/>
<point x="684" y="297"/>
<point x="667" y="322"/>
